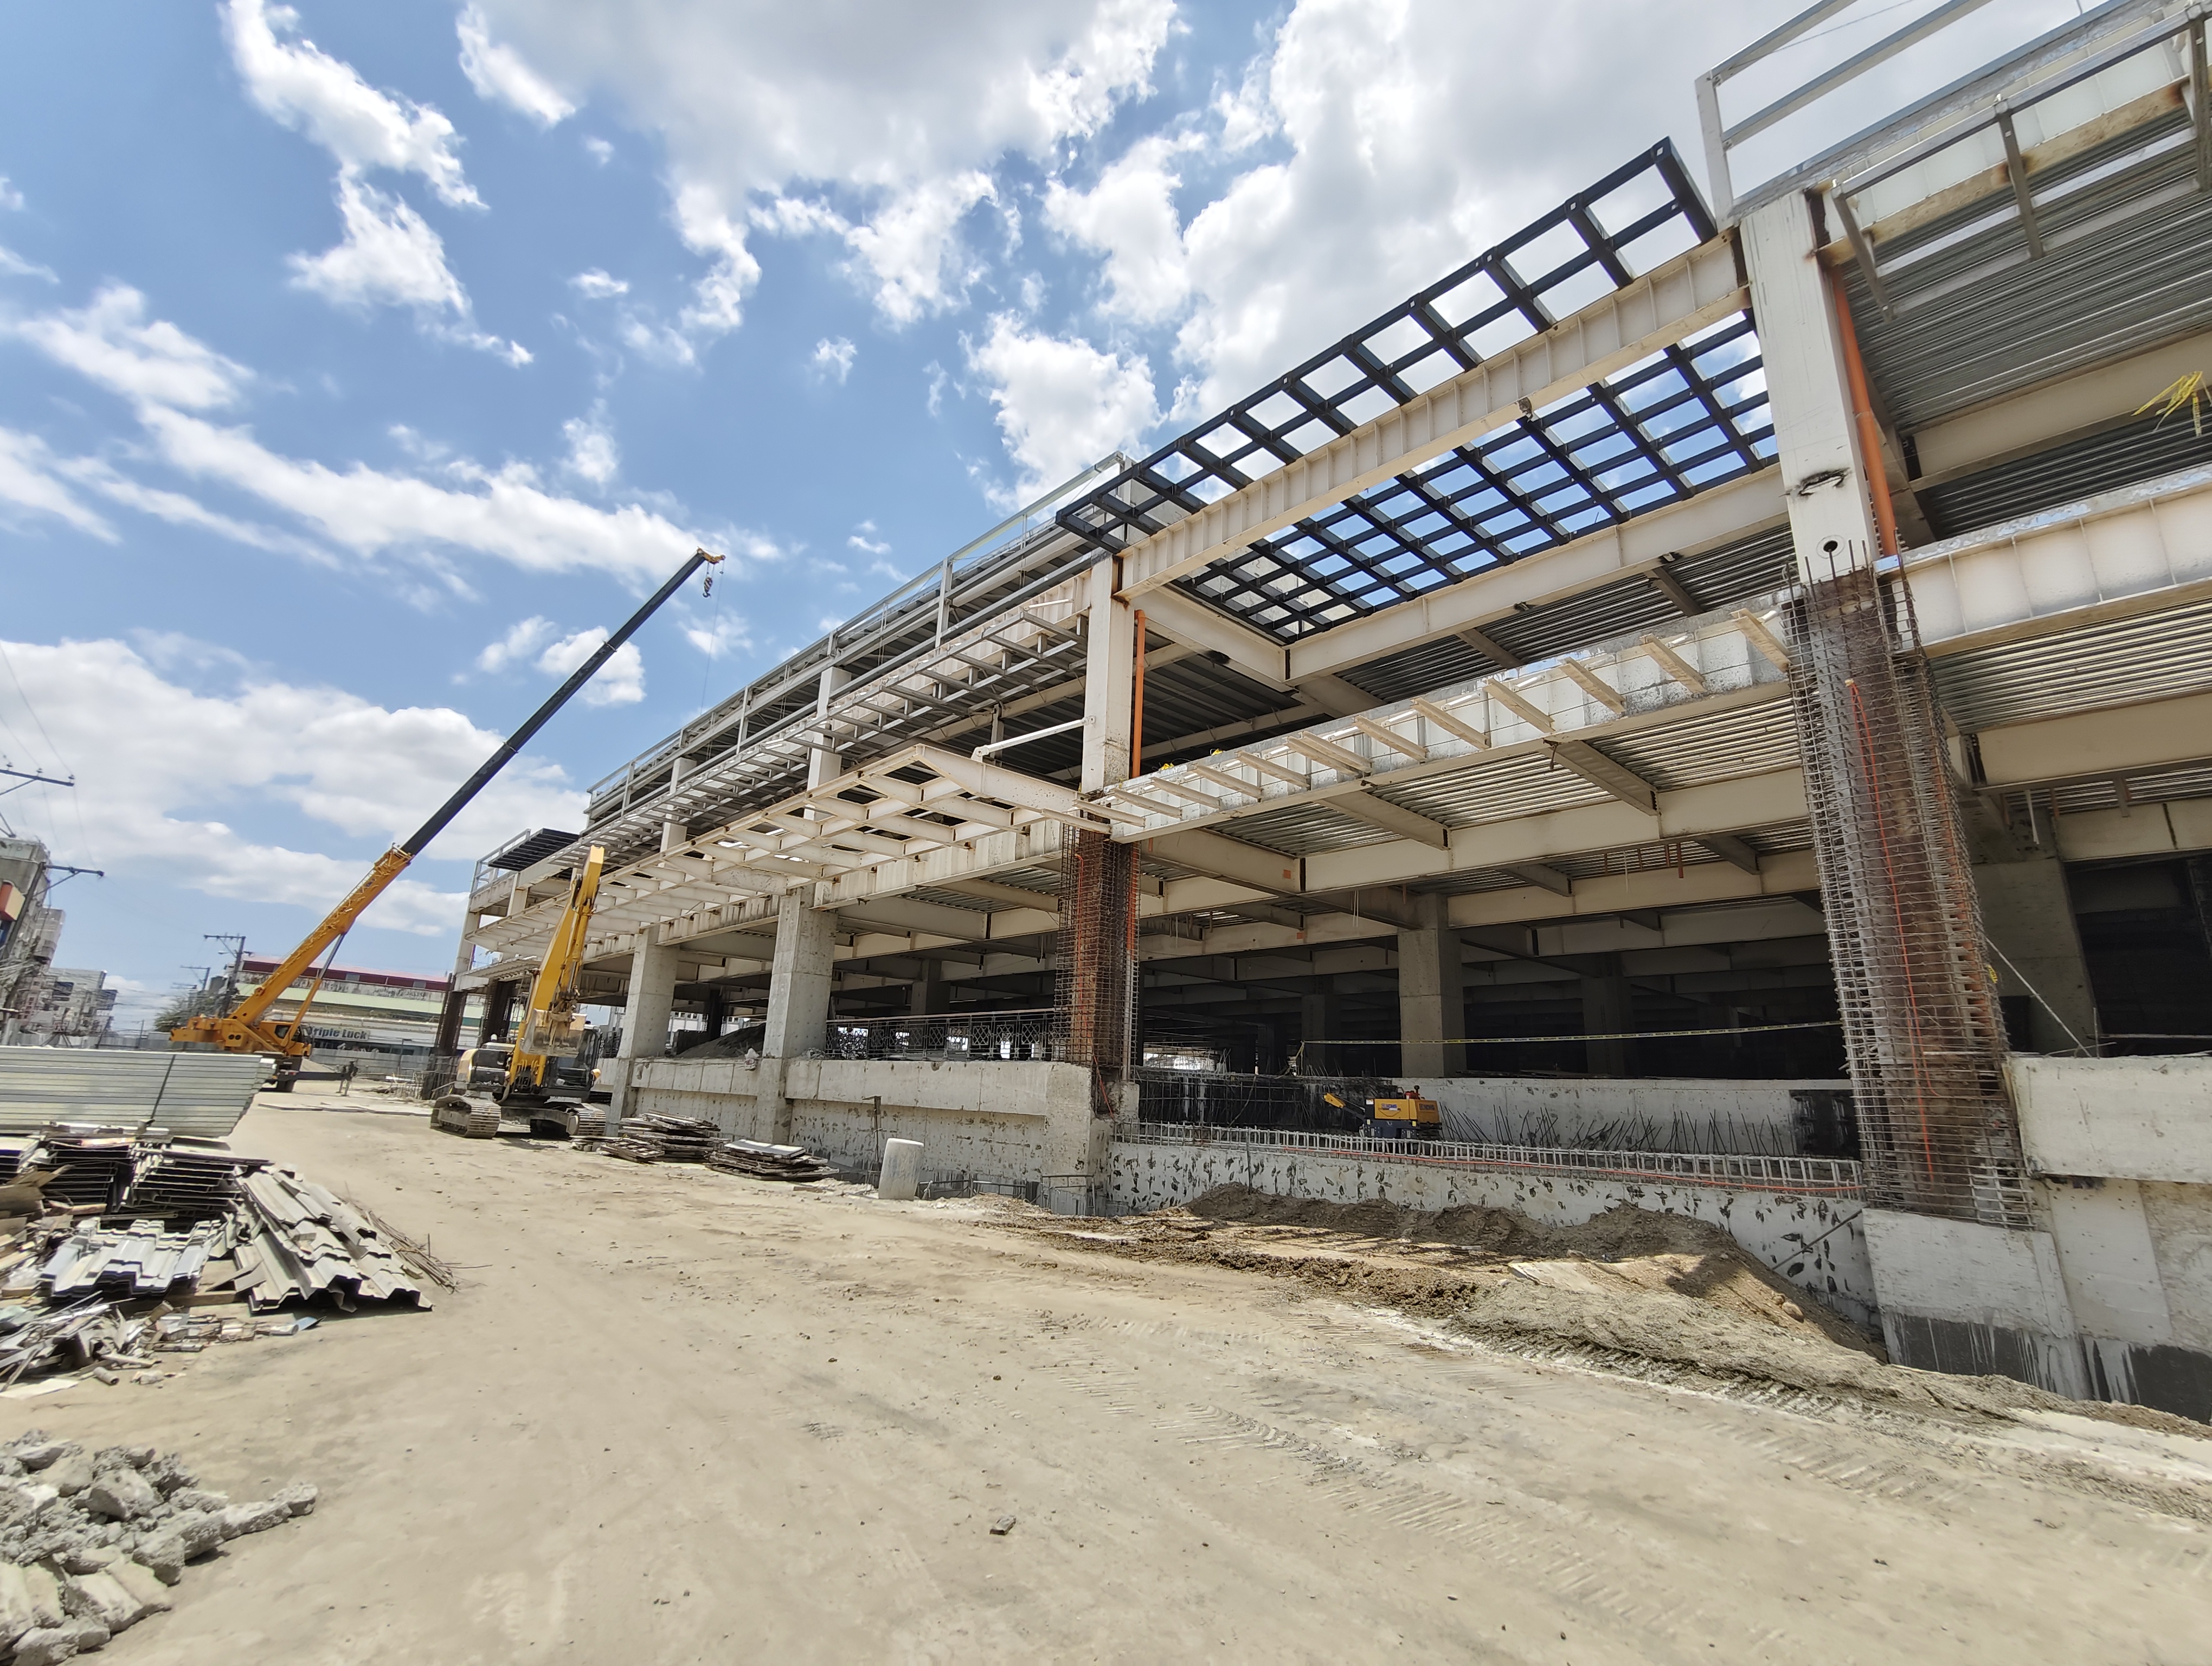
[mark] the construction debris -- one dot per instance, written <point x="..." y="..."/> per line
<point x="663" y="1140"/>
<point x="94" y="1287"/>
<point x="90" y="1543"/>
<point x="756" y="1161"/>
<point x="303" y="1241"/>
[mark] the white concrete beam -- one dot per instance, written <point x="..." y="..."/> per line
<point x="1689" y="293"/>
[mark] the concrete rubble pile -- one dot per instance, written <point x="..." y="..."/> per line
<point x="756" y="1161"/>
<point x="90" y="1542"/>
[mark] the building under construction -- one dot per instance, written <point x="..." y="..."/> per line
<point x="1716" y="690"/>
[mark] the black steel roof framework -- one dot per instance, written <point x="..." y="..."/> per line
<point x="1692" y="417"/>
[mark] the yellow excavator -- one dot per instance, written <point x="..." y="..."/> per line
<point x="531" y="1078"/>
<point x="247" y="1028"/>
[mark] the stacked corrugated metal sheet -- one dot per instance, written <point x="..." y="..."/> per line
<point x="94" y="1163"/>
<point x="199" y="1094"/>
<point x="300" y="1241"/>
<point x="758" y="1161"/>
<point x="141" y="1261"/>
<point x="185" y="1183"/>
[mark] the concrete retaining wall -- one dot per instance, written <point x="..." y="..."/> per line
<point x="2136" y="1119"/>
<point x="1816" y="1242"/>
<point x="1008" y="1120"/>
<point x="1710" y="1115"/>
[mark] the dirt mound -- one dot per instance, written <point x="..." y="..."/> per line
<point x="1621" y="1232"/>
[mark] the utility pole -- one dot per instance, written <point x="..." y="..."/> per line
<point x="236" y="941"/>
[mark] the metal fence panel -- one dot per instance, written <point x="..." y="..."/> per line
<point x="201" y="1095"/>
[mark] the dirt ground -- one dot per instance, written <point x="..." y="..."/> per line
<point x="675" y="1416"/>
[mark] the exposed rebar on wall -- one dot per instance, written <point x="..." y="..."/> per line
<point x="1921" y="1025"/>
<point x="1096" y="982"/>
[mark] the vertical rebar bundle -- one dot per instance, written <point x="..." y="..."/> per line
<point x="1921" y="1025"/>
<point x="1096" y="981"/>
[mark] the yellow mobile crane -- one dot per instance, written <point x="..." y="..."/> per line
<point x="526" y="1075"/>
<point x="246" y="1027"/>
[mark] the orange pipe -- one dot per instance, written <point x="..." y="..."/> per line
<point x="1885" y="513"/>
<point x="1137" y="713"/>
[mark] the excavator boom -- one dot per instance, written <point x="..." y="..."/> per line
<point x="243" y="1028"/>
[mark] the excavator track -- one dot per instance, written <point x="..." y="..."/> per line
<point x="464" y="1114"/>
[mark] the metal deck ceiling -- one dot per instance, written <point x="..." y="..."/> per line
<point x="1690" y="417"/>
<point x="1972" y="315"/>
<point x="1734" y="572"/>
<point x="2143" y="448"/>
<point x="2146" y="657"/>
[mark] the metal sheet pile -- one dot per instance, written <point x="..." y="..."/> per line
<point x="140" y="1259"/>
<point x="298" y="1242"/>
<point x="94" y="1163"/>
<point x="185" y="1183"/>
<point x="757" y="1161"/>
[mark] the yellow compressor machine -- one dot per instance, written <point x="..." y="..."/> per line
<point x="1404" y="1115"/>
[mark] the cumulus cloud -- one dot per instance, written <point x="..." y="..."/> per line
<point x="901" y="119"/>
<point x="171" y="378"/>
<point x="10" y="196"/>
<point x="499" y="75"/>
<point x="158" y="763"/>
<point x="390" y="256"/>
<point x="1061" y="402"/>
<point x="1130" y="216"/>
<point x="296" y="82"/>
<point x="596" y="285"/>
<point x="593" y="454"/>
<point x="833" y="357"/>
<point x="620" y="682"/>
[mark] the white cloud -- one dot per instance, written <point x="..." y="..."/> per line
<point x="28" y="482"/>
<point x="598" y="150"/>
<point x="506" y="513"/>
<point x="901" y="112"/>
<point x="499" y="75"/>
<point x="620" y="682"/>
<point x="912" y="251"/>
<point x="719" y="636"/>
<point x="1062" y="404"/>
<point x="10" y="196"/>
<point x="1130" y="216"/>
<point x="112" y="342"/>
<point x="390" y="257"/>
<point x="593" y="454"/>
<point x="1403" y="150"/>
<point x="159" y="763"/>
<point x="299" y="84"/>
<point x="834" y="357"/>
<point x="596" y="285"/>
<point x="523" y="639"/>
<point x="13" y="265"/>
<point x="866" y="542"/>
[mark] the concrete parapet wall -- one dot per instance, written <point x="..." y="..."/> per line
<point x="1004" y="1120"/>
<point x="1814" y="1241"/>
<point x="2133" y="1119"/>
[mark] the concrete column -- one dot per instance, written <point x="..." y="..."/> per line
<point x="1608" y="1010"/>
<point x="928" y="994"/>
<point x="1320" y="1018"/>
<point x="798" y="999"/>
<point x="1431" y="994"/>
<point x="2028" y="918"/>
<point x="821" y="765"/>
<point x="1801" y="346"/>
<point x="1110" y="680"/>
<point x="646" y="1012"/>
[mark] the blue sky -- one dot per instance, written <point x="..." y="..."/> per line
<point x="356" y="362"/>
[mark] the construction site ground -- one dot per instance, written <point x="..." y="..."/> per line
<point x="677" y="1416"/>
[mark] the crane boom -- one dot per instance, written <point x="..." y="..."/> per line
<point x="241" y="1030"/>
